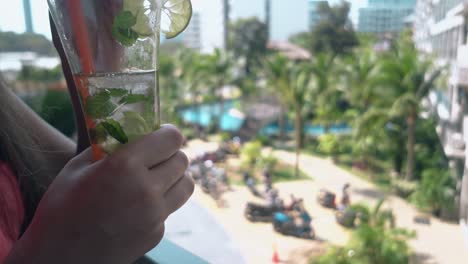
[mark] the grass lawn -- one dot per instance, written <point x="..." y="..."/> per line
<point x="285" y="173"/>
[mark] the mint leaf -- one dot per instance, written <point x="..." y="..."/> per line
<point x="125" y="19"/>
<point x="114" y="129"/>
<point x="98" y="134"/>
<point x="99" y="105"/>
<point x="117" y="92"/>
<point x="134" y="98"/>
<point x="126" y="37"/>
<point x="122" y="28"/>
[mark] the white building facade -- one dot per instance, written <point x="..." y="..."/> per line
<point x="441" y="29"/>
<point x="191" y="37"/>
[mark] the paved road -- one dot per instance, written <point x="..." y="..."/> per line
<point x="439" y="242"/>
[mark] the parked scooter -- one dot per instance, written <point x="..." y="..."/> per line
<point x="261" y="213"/>
<point x="326" y="199"/>
<point x="346" y="217"/>
<point x="287" y="225"/>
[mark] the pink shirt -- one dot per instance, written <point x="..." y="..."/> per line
<point x="11" y="210"/>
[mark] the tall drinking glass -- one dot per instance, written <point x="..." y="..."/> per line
<point x="112" y="48"/>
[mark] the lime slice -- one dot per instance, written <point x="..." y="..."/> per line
<point x="176" y="15"/>
<point x="139" y="9"/>
<point x="134" y="125"/>
<point x="142" y="26"/>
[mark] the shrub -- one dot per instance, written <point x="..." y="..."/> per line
<point x="54" y="107"/>
<point x="265" y="140"/>
<point x="268" y="162"/>
<point x="404" y="188"/>
<point x="436" y="191"/>
<point x="250" y="154"/>
<point x="329" y="144"/>
<point x="225" y="137"/>
<point x="375" y="240"/>
<point x="57" y="110"/>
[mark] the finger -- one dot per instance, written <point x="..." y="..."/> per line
<point x="82" y="159"/>
<point x="179" y="194"/>
<point x="154" y="148"/>
<point x="154" y="237"/>
<point x="166" y="174"/>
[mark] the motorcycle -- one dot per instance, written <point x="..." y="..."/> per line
<point x="260" y="213"/>
<point x="346" y="217"/>
<point x="326" y="199"/>
<point x="351" y="216"/>
<point x="285" y="224"/>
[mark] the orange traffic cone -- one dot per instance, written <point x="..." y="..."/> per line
<point x="275" y="258"/>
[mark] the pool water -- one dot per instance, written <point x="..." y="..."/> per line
<point x="232" y="120"/>
<point x="311" y="130"/>
<point x="206" y="114"/>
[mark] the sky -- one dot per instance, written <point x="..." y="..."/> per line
<point x="289" y="17"/>
<point x="12" y="18"/>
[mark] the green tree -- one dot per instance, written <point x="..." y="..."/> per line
<point x="436" y="190"/>
<point x="292" y="83"/>
<point x="375" y="240"/>
<point x="249" y="42"/>
<point x="14" y="42"/>
<point x="359" y="71"/>
<point x="302" y="39"/>
<point x="334" y="33"/>
<point x="31" y="73"/>
<point x="407" y="77"/>
<point x="192" y="71"/>
<point x="328" y="104"/>
<point x="171" y="88"/>
<point x="55" y="107"/>
<point x="220" y="66"/>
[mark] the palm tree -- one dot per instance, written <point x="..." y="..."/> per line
<point x="409" y="78"/>
<point x="192" y="71"/>
<point x="277" y="78"/>
<point x="291" y="82"/>
<point x="219" y="66"/>
<point x="324" y="91"/>
<point x="359" y="71"/>
<point x="375" y="240"/>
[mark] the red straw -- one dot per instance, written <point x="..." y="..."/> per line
<point x="81" y="35"/>
<point x="83" y="48"/>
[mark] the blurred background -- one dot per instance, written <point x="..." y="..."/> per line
<point x="320" y="131"/>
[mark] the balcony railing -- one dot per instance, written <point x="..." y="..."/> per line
<point x="462" y="65"/>
<point x="448" y="129"/>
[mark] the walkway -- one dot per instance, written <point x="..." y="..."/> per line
<point x="439" y="242"/>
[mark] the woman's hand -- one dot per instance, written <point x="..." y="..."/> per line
<point x="111" y="211"/>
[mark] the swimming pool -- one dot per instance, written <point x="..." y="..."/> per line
<point x="232" y="120"/>
<point x="204" y="115"/>
<point x="311" y="130"/>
